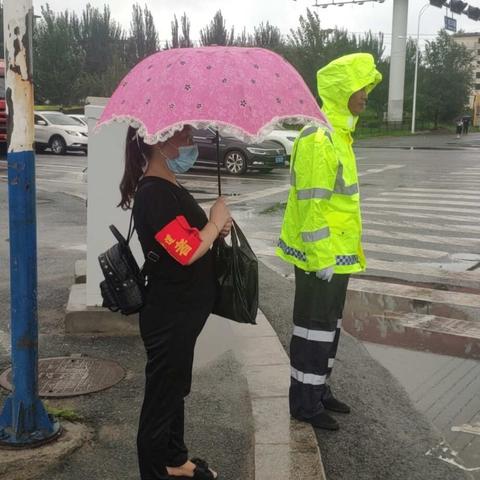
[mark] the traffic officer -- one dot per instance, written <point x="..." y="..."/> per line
<point x="321" y="234"/>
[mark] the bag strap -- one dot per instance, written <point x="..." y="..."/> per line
<point x="131" y="228"/>
<point x="219" y="178"/>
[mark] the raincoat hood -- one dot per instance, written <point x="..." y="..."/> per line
<point x="341" y="78"/>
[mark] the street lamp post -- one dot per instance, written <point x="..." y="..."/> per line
<point x="414" y="106"/>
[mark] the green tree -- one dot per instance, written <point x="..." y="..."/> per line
<point x="243" y="40"/>
<point x="267" y="35"/>
<point x="216" y="33"/>
<point x="143" y="34"/>
<point x="180" y="40"/>
<point x="447" y="80"/>
<point x="100" y="37"/>
<point x="309" y="47"/>
<point x="58" y="58"/>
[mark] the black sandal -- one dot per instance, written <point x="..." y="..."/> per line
<point x="202" y="466"/>
<point x="201" y="472"/>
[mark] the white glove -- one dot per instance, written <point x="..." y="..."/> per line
<point x="325" y="274"/>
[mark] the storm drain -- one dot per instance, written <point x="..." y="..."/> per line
<point x="72" y="376"/>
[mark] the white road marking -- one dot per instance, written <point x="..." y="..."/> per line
<point x="458" y="228"/>
<point x="380" y="170"/>
<point x="437" y="190"/>
<point x="463" y="242"/>
<point x="53" y="166"/>
<point x="433" y="196"/>
<point x="396" y="250"/>
<point x="377" y="205"/>
<point x="420" y="201"/>
<point x="4" y="177"/>
<point x="472" y="429"/>
<point x="430" y="216"/>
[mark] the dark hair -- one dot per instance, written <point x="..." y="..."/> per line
<point x="134" y="161"/>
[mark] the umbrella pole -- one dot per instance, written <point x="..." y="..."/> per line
<point x="217" y="141"/>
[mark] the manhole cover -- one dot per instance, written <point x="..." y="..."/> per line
<point x="71" y="376"/>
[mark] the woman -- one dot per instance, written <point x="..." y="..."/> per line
<point x="176" y="237"/>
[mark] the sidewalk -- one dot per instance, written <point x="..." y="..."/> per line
<point x="218" y="418"/>
<point x="237" y="413"/>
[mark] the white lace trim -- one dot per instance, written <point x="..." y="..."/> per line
<point x="224" y="129"/>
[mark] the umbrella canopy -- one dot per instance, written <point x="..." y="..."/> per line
<point x="243" y="92"/>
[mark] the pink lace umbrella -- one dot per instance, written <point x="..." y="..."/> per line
<point x="243" y="92"/>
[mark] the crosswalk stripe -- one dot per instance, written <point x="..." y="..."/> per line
<point x="447" y="184"/>
<point x="410" y="252"/>
<point x="464" y="242"/>
<point x="420" y="201"/>
<point x="416" y="207"/>
<point x="430" y="216"/>
<point x="457" y="228"/>
<point x="439" y="190"/>
<point x="433" y="196"/>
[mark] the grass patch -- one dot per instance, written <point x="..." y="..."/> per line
<point x="275" y="208"/>
<point x="64" y="414"/>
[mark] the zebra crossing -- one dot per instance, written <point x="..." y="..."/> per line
<point x="426" y="227"/>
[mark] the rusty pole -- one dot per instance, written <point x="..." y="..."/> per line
<point x="23" y="420"/>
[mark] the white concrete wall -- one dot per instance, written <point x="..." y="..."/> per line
<point x="105" y="169"/>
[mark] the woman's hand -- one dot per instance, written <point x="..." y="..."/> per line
<point x="220" y="214"/>
<point x="225" y="232"/>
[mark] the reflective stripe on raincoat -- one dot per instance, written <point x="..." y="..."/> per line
<point x="322" y="226"/>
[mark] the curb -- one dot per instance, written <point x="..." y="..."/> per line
<point x="29" y="463"/>
<point x="285" y="449"/>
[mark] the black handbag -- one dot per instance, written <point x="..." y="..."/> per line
<point x="123" y="289"/>
<point x="237" y="278"/>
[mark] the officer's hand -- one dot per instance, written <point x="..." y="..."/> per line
<point x="325" y="274"/>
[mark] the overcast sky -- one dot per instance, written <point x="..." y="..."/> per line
<point x="282" y="13"/>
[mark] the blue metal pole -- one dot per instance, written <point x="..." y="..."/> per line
<point x="23" y="420"/>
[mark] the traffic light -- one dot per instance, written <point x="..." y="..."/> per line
<point x="438" y="3"/>
<point x="457" y="6"/>
<point x="473" y="13"/>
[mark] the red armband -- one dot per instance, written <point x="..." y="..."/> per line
<point x="179" y="239"/>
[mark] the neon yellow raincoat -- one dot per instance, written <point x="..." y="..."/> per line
<point x="322" y="226"/>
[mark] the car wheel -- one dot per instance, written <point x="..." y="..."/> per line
<point x="58" y="145"/>
<point x="39" y="148"/>
<point x="235" y="162"/>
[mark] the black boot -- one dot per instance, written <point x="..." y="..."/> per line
<point x="322" y="420"/>
<point x="334" y="405"/>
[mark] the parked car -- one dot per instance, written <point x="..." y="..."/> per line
<point x="81" y="119"/>
<point x="285" y="138"/>
<point x="60" y="133"/>
<point x="237" y="156"/>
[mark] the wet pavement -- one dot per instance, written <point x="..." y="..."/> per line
<point x="420" y="210"/>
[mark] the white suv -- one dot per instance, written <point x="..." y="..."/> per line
<point x="60" y="133"/>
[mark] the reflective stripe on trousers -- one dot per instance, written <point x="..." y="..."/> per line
<point x="318" y="309"/>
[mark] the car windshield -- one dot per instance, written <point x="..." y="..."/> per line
<point x="79" y="121"/>
<point x="60" y="119"/>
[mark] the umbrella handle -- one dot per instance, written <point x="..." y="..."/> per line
<point x="217" y="141"/>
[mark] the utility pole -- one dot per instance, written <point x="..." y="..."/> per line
<point x="397" y="61"/>
<point x="415" y="81"/>
<point x="23" y="420"/>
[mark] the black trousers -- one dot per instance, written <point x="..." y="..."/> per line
<point x="169" y="335"/>
<point x="317" y="318"/>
